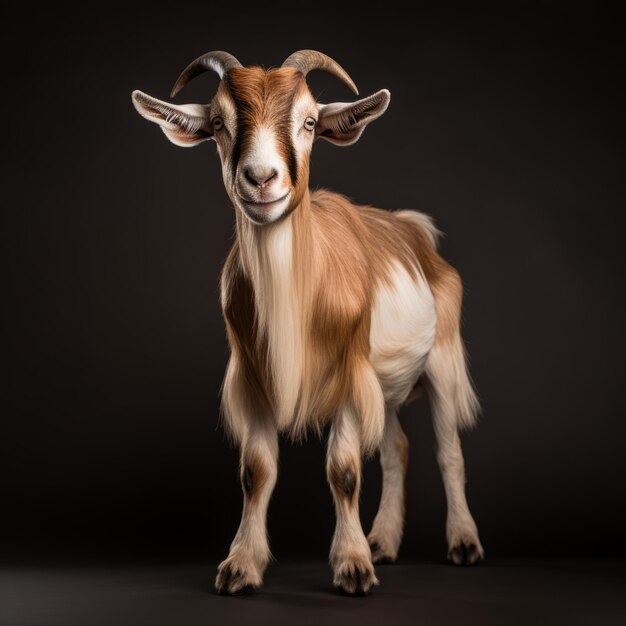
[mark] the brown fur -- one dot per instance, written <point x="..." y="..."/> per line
<point x="239" y="312"/>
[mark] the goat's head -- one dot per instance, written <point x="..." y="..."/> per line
<point x="264" y="123"/>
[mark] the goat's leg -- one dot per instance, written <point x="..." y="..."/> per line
<point x="249" y="551"/>
<point x="453" y="400"/>
<point x="350" y="555"/>
<point x="386" y="534"/>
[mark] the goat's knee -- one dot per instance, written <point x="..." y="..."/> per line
<point x="254" y="474"/>
<point x="343" y="477"/>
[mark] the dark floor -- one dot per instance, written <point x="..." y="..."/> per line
<point x="505" y="593"/>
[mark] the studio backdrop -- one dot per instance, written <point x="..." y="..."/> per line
<point x="504" y="127"/>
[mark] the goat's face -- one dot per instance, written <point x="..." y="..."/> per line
<point x="264" y="123"/>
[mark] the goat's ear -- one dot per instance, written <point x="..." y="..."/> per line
<point x="343" y="122"/>
<point x="185" y="125"/>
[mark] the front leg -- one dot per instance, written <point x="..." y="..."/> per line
<point x="350" y="555"/>
<point x="249" y="551"/>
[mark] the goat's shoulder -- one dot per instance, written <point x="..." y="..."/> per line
<point x="343" y="284"/>
<point x="338" y="232"/>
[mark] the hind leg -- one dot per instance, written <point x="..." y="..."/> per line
<point x="451" y="395"/>
<point x="386" y="534"/>
<point x="464" y="547"/>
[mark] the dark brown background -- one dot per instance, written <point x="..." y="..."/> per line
<point x="504" y="125"/>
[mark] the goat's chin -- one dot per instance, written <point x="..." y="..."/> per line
<point x="264" y="213"/>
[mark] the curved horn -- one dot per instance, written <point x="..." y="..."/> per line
<point x="218" y="61"/>
<point x="308" y="60"/>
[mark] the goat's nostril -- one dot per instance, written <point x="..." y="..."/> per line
<point x="259" y="177"/>
<point x="249" y="177"/>
<point x="273" y="174"/>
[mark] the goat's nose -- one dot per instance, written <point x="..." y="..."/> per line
<point x="260" y="176"/>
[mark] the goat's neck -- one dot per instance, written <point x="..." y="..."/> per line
<point x="278" y="248"/>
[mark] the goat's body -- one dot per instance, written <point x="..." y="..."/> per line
<point x="330" y="294"/>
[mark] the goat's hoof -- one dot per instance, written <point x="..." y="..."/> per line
<point x="381" y="555"/>
<point x="355" y="577"/>
<point x="465" y="552"/>
<point x="232" y="581"/>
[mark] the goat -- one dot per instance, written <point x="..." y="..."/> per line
<point x="335" y="313"/>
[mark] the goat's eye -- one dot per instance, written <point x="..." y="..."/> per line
<point x="309" y="123"/>
<point x="218" y="123"/>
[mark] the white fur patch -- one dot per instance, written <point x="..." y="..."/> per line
<point x="402" y="333"/>
<point x="263" y="154"/>
<point x="264" y="150"/>
<point x="302" y="138"/>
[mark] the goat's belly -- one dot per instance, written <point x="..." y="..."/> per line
<point x="402" y="333"/>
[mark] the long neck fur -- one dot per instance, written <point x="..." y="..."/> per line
<point x="274" y="258"/>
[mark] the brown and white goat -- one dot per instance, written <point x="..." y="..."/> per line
<point x="336" y="313"/>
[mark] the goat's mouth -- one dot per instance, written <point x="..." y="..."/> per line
<point x="264" y="212"/>
<point x="263" y="205"/>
